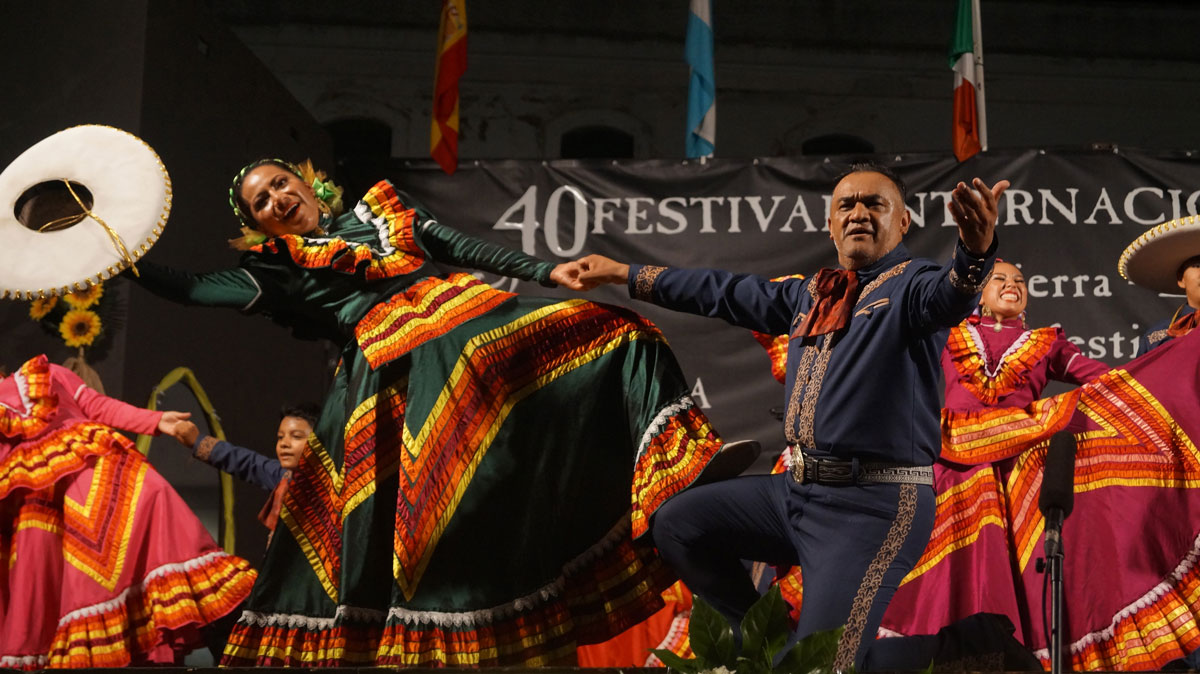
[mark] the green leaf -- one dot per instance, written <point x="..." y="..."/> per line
<point x="744" y="666"/>
<point x="675" y="662"/>
<point x="710" y="634"/>
<point x="765" y="628"/>
<point x="813" y="653"/>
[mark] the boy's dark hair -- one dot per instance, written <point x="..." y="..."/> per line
<point x="306" y="411"/>
<point x="868" y="166"/>
<point x="1193" y="261"/>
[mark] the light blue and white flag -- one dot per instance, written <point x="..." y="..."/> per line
<point x="702" y="90"/>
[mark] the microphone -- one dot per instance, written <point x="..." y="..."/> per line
<point x="1058" y="489"/>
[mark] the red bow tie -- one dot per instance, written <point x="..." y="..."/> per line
<point x="837" y="292"/>
<point x="1184" y="325"/>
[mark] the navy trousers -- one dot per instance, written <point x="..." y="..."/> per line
<point x="853" y="544"/>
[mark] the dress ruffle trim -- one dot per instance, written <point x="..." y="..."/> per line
<point x="397" y="254"/>
<point x="165" y="608"/>
<point x="991" y="381"/>
<point x="38" y="465"/>
<point x="601" y="593"/>
<point x="33" y="384"/>
<point x="1161" y="626"/>
<point x="676" y="447"/>
<point x="993" y="434"/>
<point x="425" y="311"/>
<point x="676" y="640"/>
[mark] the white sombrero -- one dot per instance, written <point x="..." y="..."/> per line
<point x="131" y="198"/>
<point x="1153" y="259"/>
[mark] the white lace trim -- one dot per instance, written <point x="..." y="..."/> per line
<point x="1155" y="593"/>
<point x="23" y="661"/>
<point x="382" y="229"/>
<point x="23" y="392"/>
<point x="679" y="624"/>
<point x="989" y="369"/>
<point x="343" y="613"/>
<point x="476" y="618"/>
<point x="110" y="604"/>
<point x="660" y="421"/>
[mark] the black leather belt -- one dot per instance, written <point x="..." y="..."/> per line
<point x="807" y="469"/>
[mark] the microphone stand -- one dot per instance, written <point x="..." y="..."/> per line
<point x="1056" y="502"/>
<point x="1054" y="567"/>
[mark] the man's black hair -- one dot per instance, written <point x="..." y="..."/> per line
<point x="306" y="411"/>
<point x="1193" y="261"/>
<point x="869" y="166"/>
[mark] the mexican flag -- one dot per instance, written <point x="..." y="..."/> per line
<point x="962" y="61"/>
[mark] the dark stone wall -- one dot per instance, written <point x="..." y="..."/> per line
<point x="171" y="74"/>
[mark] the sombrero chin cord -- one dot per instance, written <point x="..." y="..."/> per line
<point x="61" y="223"/>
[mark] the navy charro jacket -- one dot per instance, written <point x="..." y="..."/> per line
<point x="871" y="391"/>
<point x="1157" y="335"/>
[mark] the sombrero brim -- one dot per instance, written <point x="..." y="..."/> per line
<point x="131" y="194"/>
<point x="1153" y="259"/>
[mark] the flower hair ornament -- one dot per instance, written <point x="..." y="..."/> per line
<point x="329" y="198"/>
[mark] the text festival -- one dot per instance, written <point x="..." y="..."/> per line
<point x="568" y="217"/>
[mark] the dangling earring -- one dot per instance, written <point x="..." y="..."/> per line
<point x="1024" y="325"/>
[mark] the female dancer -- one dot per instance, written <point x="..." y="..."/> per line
<point x="476" y="452"/>
<point x="1130" y="594"/>
<point x="990" y="361"/>
<point x="103" y="565"/>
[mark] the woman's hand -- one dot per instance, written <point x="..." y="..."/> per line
<point x="588" y="272"/>
<point x="170" y="421"/>
<point x="567" y="275"/>
<point x="597" y="269"/>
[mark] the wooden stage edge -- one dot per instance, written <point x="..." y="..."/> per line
<point x="406" y="669"/>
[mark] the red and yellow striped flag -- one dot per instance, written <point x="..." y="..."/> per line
<point x="451" y="64"/>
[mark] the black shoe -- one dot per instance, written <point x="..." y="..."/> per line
<point x="988" y="637"/>
<point x="732" y="460"/>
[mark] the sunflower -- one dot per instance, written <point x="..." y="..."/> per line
<point x="39" y="308"/>
<point x="82" y="299"/>
<point x="79" y="327"/>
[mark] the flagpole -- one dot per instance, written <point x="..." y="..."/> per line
<point x="980" y="100"/>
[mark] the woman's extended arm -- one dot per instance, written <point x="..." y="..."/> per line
<point x="1067" y="363"/>
<point x="235" y="288"/>
<point x="116" y="413"/>
<point x="451" y="246"/>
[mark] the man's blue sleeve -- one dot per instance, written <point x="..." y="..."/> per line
<point x="945" y="297"/>
<point x="743" y="300"/>
<point x="244" y="464"/>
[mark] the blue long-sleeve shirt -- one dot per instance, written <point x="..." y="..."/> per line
<point x="871" y="391"/>
<point x="244" y="464"/>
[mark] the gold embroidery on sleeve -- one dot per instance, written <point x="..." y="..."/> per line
<point x="643" y="285"/>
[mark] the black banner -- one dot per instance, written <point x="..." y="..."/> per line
<point x="1065" y="220"/>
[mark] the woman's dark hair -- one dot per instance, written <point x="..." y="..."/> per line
<point x="872" y="167"/>
<point x="306" y="411"/>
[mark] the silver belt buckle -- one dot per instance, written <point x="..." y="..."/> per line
<point x="797" y="465"/>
